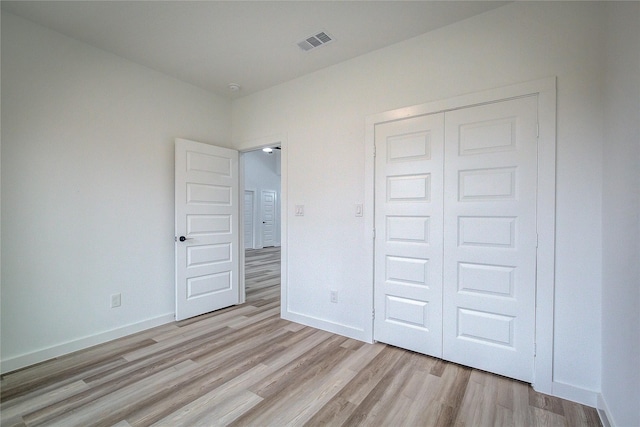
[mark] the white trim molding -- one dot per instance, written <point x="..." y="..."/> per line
<point x="604" y="413"/>
<point x="333" y="327"/>
<point x="257" y="144"/>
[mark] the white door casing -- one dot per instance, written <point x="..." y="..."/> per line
<point x="268" y="214"/>
<point x="479" y="271"/>
<point x="206" y="228"/>
<point x="408" y="245"/>
<point x="249" y="196"/>
<point x="490" y="237"/>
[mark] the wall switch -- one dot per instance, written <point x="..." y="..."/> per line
<point x="299" y="210"/>
<point x="359" y="209"/>
<point x="116" y="300"/>
<point x="334" y="296"/>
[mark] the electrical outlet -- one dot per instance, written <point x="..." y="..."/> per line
<point x="116" y="300"/>
<point x="334" y="296"/>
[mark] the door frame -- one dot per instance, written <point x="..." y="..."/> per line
<point x="545" y="89"/>
<point x="253" y="145"/>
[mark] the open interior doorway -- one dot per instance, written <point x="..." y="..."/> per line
<point x="262" y="226"/>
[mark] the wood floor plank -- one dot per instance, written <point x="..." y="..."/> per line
<point x="189" y="391"/>
<point x="205" y="410"/>
<point x="369" y="410"/>
<point x="340" y="408"/>
<point x="16" y="384"/>
<point x="109" y="409"/>
<point x="307" y="364"/>
<point x="12" y="413"/>
<point x="281" y="391"/>
<point x="428" y="385"/>
<point x="244" y="365"/>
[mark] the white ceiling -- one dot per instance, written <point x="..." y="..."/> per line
<point x="252" y="43"/>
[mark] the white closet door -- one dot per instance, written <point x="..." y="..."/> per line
<point x="408" y="244"/>
<point x="490" y="237"/>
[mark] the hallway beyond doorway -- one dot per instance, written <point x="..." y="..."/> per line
<point x="262" y="274"/>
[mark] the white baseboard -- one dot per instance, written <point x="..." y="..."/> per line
<point x="32" y="358"/>
<point x="336" y="328"/>
<point x="575" y="394"/>
<point x="603" y="412"/>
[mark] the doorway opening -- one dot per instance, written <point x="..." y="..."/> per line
<point x="261" y="224"/>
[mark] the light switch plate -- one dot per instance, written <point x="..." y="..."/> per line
<point x="359" y="209"/>
<point x="299" y="210"/>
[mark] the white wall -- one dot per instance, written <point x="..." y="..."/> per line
<point x="621" y="220"/>
<point x="87" y="190"/>
<point x="323" y="116"/>
<point x="262" y="172"/>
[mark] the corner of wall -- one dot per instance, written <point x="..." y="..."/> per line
<point x="603" y="411"/>
<point x="575" y="394"/>
<point x="333" y="327"/>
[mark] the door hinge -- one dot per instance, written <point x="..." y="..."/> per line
<point x="537" y="239"/>
<point x="374" y="150"/>
<point x="374" y="234"/>
<point x="535" y="349"/>
<point x="373" y="313"/>
<point x="537" y="130"/>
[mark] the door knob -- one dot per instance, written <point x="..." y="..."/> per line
<point x="182" y="238"/>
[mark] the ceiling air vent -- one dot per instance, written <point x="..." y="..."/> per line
<point x="317" y="40"/>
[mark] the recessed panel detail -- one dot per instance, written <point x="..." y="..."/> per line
<point x="202" y="255"/>
<point x="207" y="285"/>
<point x="407" y="312"/>
<point x="496" y="232"/>
<point x="200" y="162"/>
<point x="408" y="229"/>
<point x="412" y="271"/>
<point x="204" y="194"/>
<point x="414" y="146"/>
<point x="203" y="225"/>
<point x="496" y="280"/>
<point x="488" y="137"/>
<point x="489" y="328"/>
<point x="409" y="188"/>
<point x="487" y="184"/>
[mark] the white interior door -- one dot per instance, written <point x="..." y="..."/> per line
<point x="248" y="219"/>
<point x="268" y="204"/>
<point x="490" y="237"/>
<point x="207" y="234"/>
<point x="408" y="223"/>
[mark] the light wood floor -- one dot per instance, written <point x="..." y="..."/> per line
<point x="246" y="366"/>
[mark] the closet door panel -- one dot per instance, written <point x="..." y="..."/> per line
<point x="490" y="237"/>
<point x="408" y="244"/>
